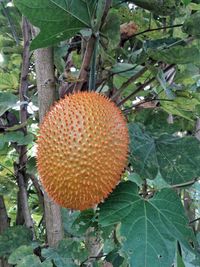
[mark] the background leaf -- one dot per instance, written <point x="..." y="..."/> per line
<point x="175" y="158"/>
<point x="14" y="237"/>
<point x="7" y="101"/>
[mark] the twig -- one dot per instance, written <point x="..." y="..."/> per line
<point x="128" y="82"/>
<point x="83" y="75"/>
<point x="10" y="23"/>
<point x="20" y="167"/>
<point x="85" y="68"/>
<point x="144" y="189"/>
<point x="156" y="29"/>
<point x="195" y="220"/>
<point x="140" y="88"/>
<point x="184" y="184"/>
<point x="38" y="190"/>
<point x="92" y="257"/>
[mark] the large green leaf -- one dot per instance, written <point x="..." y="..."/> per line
<point x="175" y="158"/>
<point x="148" y="228"/>
<point x="177" y="54"/>
<point x="7" y="101"/>
<point x="58" y="20"/>
<point x="12" y="238"/>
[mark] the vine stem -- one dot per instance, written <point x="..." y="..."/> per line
<point x="92" y="79"/>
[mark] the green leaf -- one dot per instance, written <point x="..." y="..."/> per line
<point x="12" y="238"/>
<point x="125" y="69"/>
<point x="134" y="177"/>
<point x="179" y="260"/>
<point x="67" y="251"/>
<point x="58" y="20"/>
<point x="68" y="219"/>
<point x="17" y="137"/>
<point x="7" y="101"/>
<point x="156" y="121"/>
<point x="9" y="81"/>
<point x="114" y="258"/>
<point x="148" y="228"/>
<point x="158" y="183"/>
<point x="111" y="30"/>
<point x="191" y="25"/>
<point x="18" y="254"/>
<point x="175" y="158"/>
<point x="33" y="261"/>
<point x="85" y="220"/>
<point x="164" y="8"/>
<point x="194" y="6"/>
<point x="177" y="54"/>
<point x="185" y="105"/>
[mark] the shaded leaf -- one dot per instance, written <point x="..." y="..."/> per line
<point x="111" y="30"/>
<point x="18" y="254"/>
<point x="7" y="101"/>
<point x="175" y="158"/>
<point x="185" y="105"/>
<point x="191" y="25"/>
<point x="58" y="20"/>
<point x="114" y="258"/>
<point x="17" y="137"/>
<point x="177" y="54"/>
<point x="33" y="261"/>
<point x="9" y="81"/>
<point x="14" y="237"/>
<point x="125" y="69"/>
<point x="148" y="228"/>
<point x="164" y="8"/>
<point x="68" y="250"/>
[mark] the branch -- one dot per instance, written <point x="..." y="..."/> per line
<point x="85" y="68"/>
<point x="128" y="82"/>
<point x="20" y="168"/>
<point x="38" y="190"/>
<point x="142" y="86"/>
<point x="83" y="75"/>
<point x="184" y="184"/>
<point x="45" y="77"/>
<point x="156" y="29"/>
<point x="195" y="220"/>
<point x="10" y="23"/>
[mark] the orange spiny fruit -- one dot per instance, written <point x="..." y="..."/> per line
<point x="82" y="150"/>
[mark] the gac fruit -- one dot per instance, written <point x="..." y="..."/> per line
<point x="82" y="150"/>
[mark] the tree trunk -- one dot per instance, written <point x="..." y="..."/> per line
<point x="46" y="96"/>
<point x="4" y="223"/>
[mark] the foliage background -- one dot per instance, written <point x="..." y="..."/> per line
<point x="145" y="56"/>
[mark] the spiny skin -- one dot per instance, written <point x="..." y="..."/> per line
<point x="82" y="150"/>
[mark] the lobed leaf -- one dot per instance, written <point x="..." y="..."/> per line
<point x="148" y="229"/>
